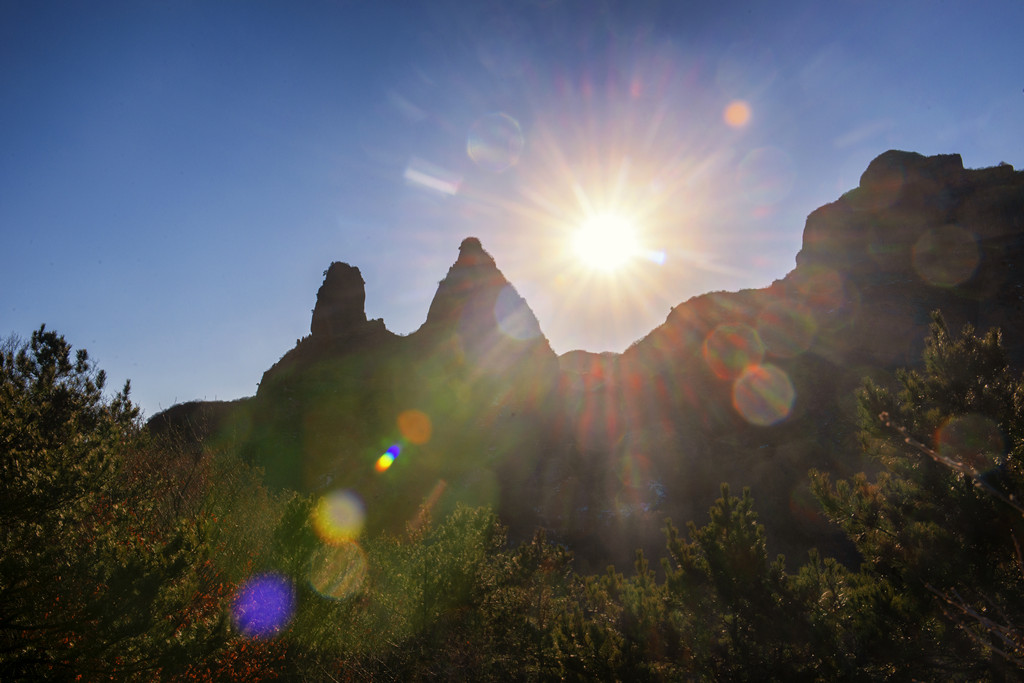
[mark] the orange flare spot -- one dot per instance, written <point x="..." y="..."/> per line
<point x="737" y="114"/>
<point x="415" y="426"/>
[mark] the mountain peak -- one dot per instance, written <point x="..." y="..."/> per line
<point x="752" y="387"/>
<point x="473" y="276"/>
<point x="471" y="253"/>
<point x="490" y="322"/>
<point x="340" y="302"/>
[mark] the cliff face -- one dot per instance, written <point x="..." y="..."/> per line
<point x="756" y="387"/>
<point x="753" y="387"/>
<point x="918" y="234"/>
<point x="921" y="233"/>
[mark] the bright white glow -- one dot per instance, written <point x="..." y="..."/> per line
<point x="606" y="242"/>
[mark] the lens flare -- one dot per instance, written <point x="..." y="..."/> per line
<point x="737" y="114"/>
<point x="730" y="348"/>
<point x="424" y="174"/>
<point x="495" y="142"/>
<point x="388" y="458"/>
<point x="513" y="315"/>
<point x="634" y="470"/>
<point x="972" y="440"/>
<point x="338" y="571"/>
<point x="946" y="256"/>
<point x="263" y="605"/>
<point x="821" y="288"/>
<point x="787" y="329"/>
<point x="656" y="256"/>
<point x="415" y="426"/>
<point x="339" y="517"/>
<point x="763" y="395"/>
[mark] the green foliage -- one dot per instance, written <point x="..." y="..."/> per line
<point x="449" y="600"/>
<point x="743" y="618"/>
<point x="91" y="577"/>
<point x="60" y="438"/>
<point x="119" y="554"/>
<point x="940" y="528"/>
<point x="122" y="556"/>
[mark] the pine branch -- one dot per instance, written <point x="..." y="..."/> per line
<point x="959" y="467"/>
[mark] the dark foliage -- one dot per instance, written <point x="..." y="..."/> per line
<point x="126" y="557"/>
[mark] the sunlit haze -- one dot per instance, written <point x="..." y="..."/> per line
<point x="606" y="242"/>
<point x="175" y="177"/>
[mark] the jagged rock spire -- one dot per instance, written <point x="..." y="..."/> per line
<point x="340" y="302"/>
<point x="477" y="311"/>
<point x="472" y="277"/>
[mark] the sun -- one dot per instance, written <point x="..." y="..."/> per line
<point x="606" y="242"/>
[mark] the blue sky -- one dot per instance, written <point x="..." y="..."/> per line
<point x="176" y="176"/>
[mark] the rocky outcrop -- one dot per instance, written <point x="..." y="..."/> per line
<point x="479" y="315"/>
<point x="339" y="325"/>
<point x="752" y="387"/>
<point x="891" y="170"/>
<point x="879" y="226"/>
<point x="339" y="318"/>
<point x="340" y="302"/>
<point x="472" y="281"/>
<point x="920" y="233"/>
<point x="477" y="378"/>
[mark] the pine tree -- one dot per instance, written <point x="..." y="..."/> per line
<point x="940" y="528"/>
<point x="92" y="582"/>
<point x="740" y="616"/>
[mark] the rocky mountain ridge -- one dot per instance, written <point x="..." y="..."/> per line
<point x="753" y="387"/>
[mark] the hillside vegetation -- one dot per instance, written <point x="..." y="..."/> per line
<point x="128" y="557"/>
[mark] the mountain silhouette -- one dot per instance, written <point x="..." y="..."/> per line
<point x="752" y="387"/>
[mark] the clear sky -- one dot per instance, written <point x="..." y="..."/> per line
<point x="175" y="176"/>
